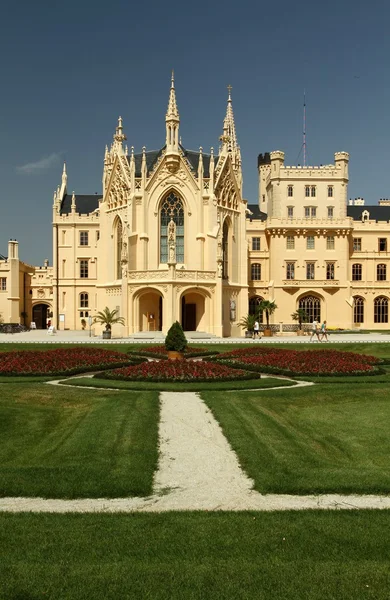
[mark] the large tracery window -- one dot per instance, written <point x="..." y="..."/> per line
<point x="358" y="310"/>
<point x="225" y="251"/>
<point x="119" y="242"/>
<point x="254" y="304"/>
<point x="312" y="306"/>
<point x="172" y="208"/>
<point x="381" y="310"/>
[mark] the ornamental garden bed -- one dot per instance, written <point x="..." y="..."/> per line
<point x="301" y="362"/>
<point x="61" y="361"/>
<point x="184" y="371"/>
<point x="160" y="351"/>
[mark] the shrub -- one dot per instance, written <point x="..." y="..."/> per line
<point x="176" y="340"/>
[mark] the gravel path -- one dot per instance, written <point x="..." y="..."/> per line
<point x="197" y="471"/>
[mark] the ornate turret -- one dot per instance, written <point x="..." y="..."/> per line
<point x="229" y="139"/>
<point x="119" y="138"/>
<point x="172" y="122"/>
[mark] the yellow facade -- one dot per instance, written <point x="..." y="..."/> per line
<point x="171" y="238"/>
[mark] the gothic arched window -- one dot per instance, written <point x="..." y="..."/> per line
<point x="254" y="304"/>
<point x="312" y="306"/>
<point x="118" y="248"/>
<point x="225" y="250"/>
<point x="381" y="310"/>
<point x="358" y="309"/>
<point x="172" y="208"/>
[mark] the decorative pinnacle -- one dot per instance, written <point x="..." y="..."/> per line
<point x="229" y="138"/>
<point x="172" y="111"/>
<point x="119" y="135"/>
<point x="229" y="87"/>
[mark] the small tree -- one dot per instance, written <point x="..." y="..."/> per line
<point x="248" y="322"/>
<point x="301" y="316"/>
<point x="175" y="339"/>
<point x="268" y="307"/>
<point x="108" y="318"/>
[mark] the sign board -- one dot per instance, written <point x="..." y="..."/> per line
<point x="61" y="318"/>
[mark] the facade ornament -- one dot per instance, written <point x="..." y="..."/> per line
<point x="171" y="242"/>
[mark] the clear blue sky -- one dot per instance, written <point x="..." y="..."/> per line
<point x="69" y="69"/>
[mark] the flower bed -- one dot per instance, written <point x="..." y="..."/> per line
<point x="161" y="352"/>
<point x="301" y="362"/>
<point x="62" y="361"/>
<point x="183" y="371"/>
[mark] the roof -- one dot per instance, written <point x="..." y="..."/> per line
<point x="257" y="214"/>
<point x="85" y="204"/>
<point x="192" y="156"/>
<point x="377" y="213"/>
<point x="3" y="257"/>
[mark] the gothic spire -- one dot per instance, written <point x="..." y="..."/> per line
<point x="172" y="120"/>
<point x="119" y="137"/>
<point x="229" y="138"/>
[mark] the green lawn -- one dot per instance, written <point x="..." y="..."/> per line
<point x="60" y="443"/>
<point x="328" y="438"/>
<point x="179" y="387"/>
<point x="193" y="556"/>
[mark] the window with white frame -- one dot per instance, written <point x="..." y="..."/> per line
<point x="307" y="191"/>
<point x="84" y="269"/>
<point x="290" y="242"/>
<point x="330" y="270"/>
<point x="255" y="243"/>
<point x="356" y="272"/>
<point x="290" y="191"/>
<point x="256" y="272"/>
<point x="310" y="270"/>
<point x="381" y="272"/>
<point x="310" y="244"/>
<point x="83" y="238"/>
<point x="313" y="191"/>
<point x="3" y="284"/>
<point x="307" y="212"/>
<point x="84" y="300"/>
<point x="290" y="212"/>
<point x="357" y="244"/>
<point x="330" y="191"/>
<point x="330" y="242"/>
<point x="330" y="212"/>
<point x="290" y="270"/>
<point x="382" y="244"/>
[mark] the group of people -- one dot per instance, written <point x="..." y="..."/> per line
<point x="319" y="331"/>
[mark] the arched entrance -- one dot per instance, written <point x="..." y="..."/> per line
<point x="40" y="313"/>
<point x="193" y="312"/>
<point x="150" y="311"/>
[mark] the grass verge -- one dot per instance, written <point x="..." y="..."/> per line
<point x="178" y="387"/>
<point x="250" y="556"/>
<point x="310" y="440"/>
<point x="58" y="443"/>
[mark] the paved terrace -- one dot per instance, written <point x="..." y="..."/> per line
<point x="82" y="337"/>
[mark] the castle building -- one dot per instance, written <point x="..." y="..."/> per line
<point x="171" y="238"/>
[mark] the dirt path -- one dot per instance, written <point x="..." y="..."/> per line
<point x="197" y="471"/>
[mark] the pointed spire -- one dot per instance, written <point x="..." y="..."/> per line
<point x="73" y="205"/>
<point x="64" y="175"/>
<point x="229" y="138"/>
<point x="172" y="121"/>
<point x="119" y="137"/>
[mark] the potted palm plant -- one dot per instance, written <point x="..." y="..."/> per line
<point x="301" y="316"/>
<point x="269" y="308"/>
<point x="248" y="323"/>
<point x="108" y="318"/>
<point x="175" y="342"/>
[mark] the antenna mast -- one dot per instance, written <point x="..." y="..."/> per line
<point x="304" y="128"/>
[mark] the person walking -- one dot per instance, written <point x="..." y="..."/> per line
<point x="314" y="330"/>
<point x="324" y="333"/>
<point x="256" y="330"/>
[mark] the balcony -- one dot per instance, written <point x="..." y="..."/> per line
<point x="311" y="283"/>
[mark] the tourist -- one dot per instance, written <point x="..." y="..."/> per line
<point x="256" y="330"/>
<point x="324" y="333"/>
<point x="314" y="330"/>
